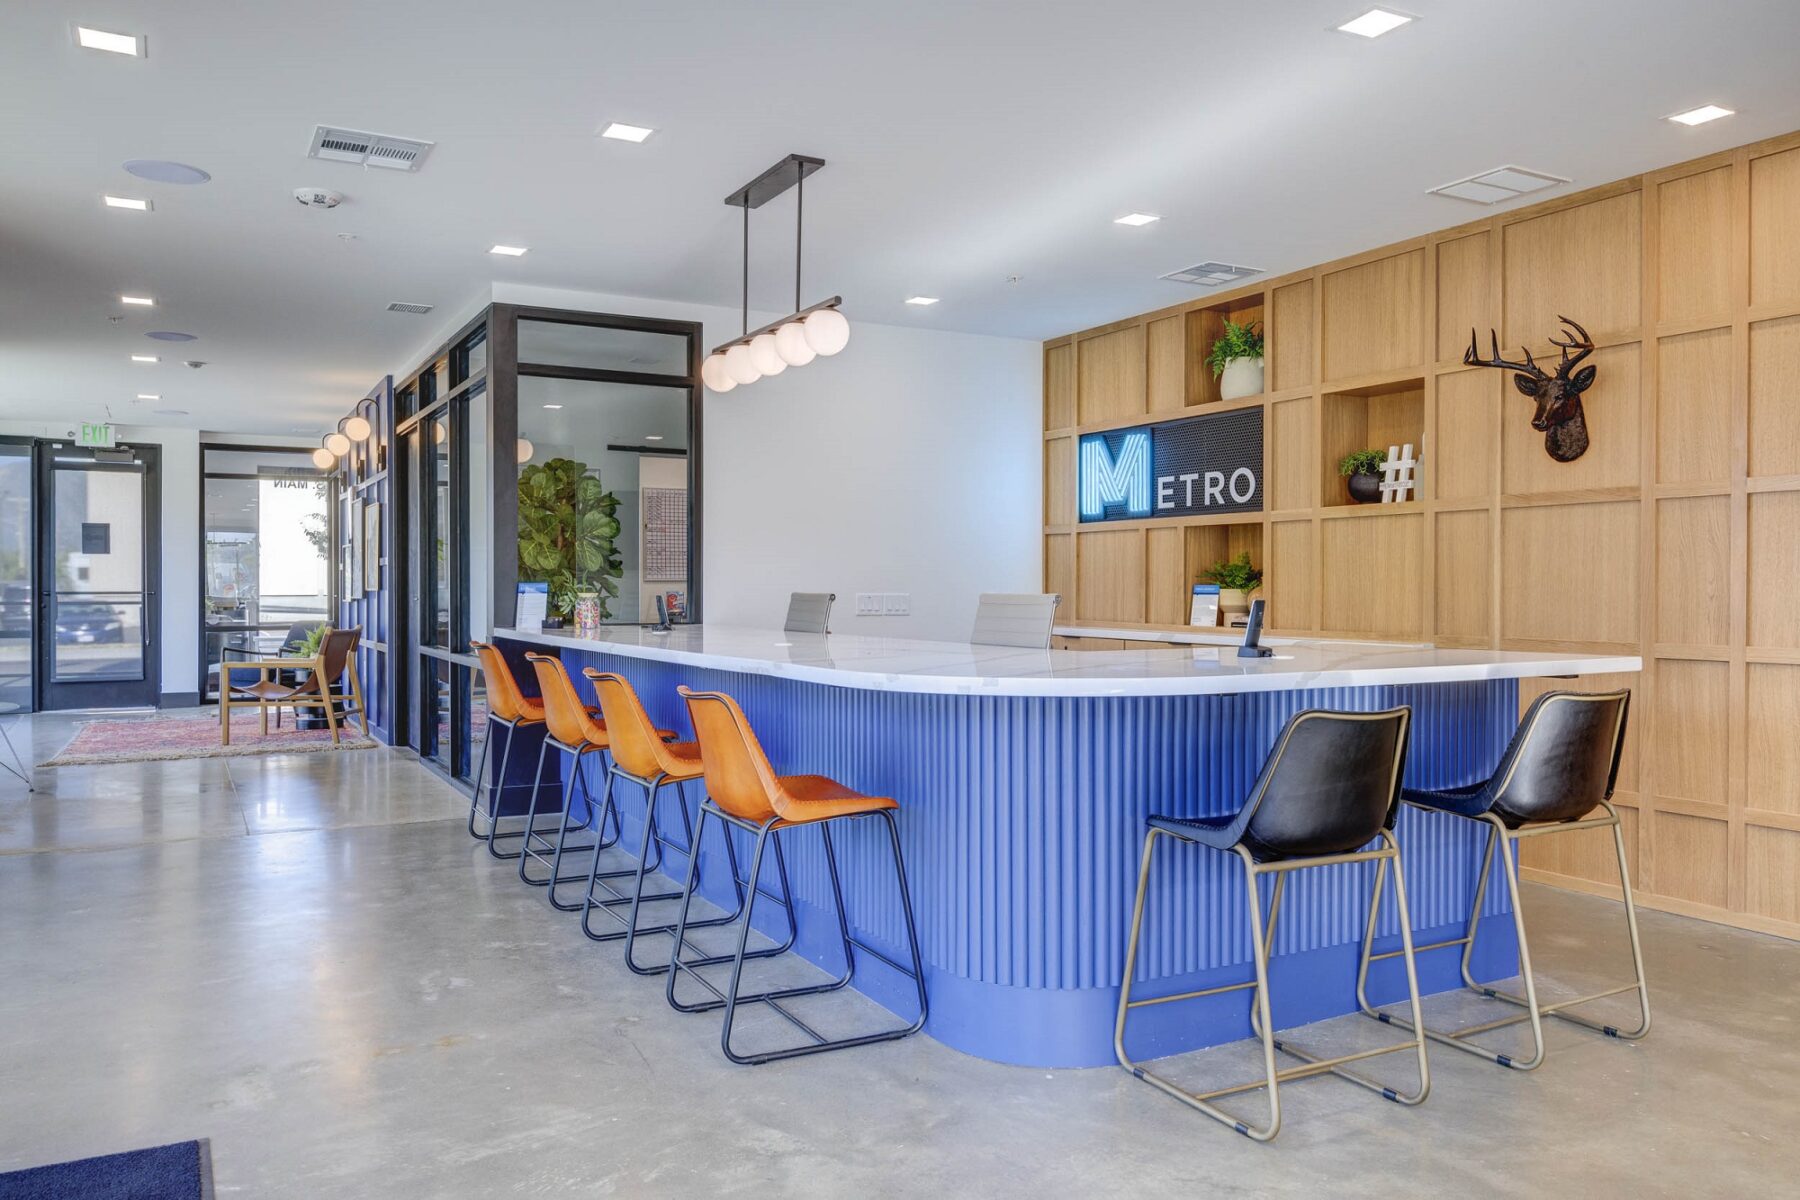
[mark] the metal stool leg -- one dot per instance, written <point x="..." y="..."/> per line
<point x="475" y="791"/>
<point x="576" y="779"/>
<point x="1505" y="839"/>
<point x="497" y="790"/>
<point x="739" y="885"/>
<point x="534" y="837"/>
<point x="17" y="767"/>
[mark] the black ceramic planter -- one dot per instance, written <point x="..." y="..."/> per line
<point x="1365" y="489"/>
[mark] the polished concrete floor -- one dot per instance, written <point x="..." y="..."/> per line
<point x="308" y="961"/>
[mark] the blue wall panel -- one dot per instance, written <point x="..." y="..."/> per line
<point x="1022" y="821"/>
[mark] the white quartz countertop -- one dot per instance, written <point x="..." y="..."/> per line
<point x="952" y="668"/>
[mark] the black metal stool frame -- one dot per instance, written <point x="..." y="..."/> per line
<point x="765" y="833"/>
<point x="496" y="786"/>
<point x="650" y="859"/>
<point x="1262" y="942"/>
<point x="566" y="824"/>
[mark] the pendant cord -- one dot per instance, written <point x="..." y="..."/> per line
<point x="746" y="267"/>
<point x="799" y="229"/>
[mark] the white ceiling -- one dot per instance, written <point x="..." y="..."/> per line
<point x="968" y="142"/>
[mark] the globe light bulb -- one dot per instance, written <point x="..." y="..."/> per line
<point x="791" y="344"/>
<point x="338" y="444"/>
<point x="740" y="365"/>
<point x="765" y="354"/>
<point x="324" y="459"/>
<point x="526" y="450"/>
<point x="827" y="331"/>
<point x="357" y="428"/>
<point x="714" y="374"/>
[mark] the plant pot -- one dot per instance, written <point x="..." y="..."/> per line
<point x="1232" y="603"/>
<point x="1241" y="377"/>
<point x="1365" y="489"/>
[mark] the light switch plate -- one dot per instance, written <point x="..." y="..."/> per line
<point x="868" y="604"/>
<point x="896" y="604"/>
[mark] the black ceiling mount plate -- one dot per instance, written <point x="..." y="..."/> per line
<point x="774" y="181"/>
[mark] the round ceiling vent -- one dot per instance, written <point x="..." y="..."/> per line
<point x="158" y="171"/>
<point x="318" y="197"/>
<point x="169" y="335"/>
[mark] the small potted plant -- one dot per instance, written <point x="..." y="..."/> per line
<point x="1237" y="578"/>
<point x="1361" y="470"/>
<point x="1236" y="360"/>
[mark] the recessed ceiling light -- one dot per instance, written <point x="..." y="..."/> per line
<point x="170" y="412"/>
<point x="112" y="43"/>
<point x="509" y="251"/>
<point x="653" y="437"/>
<point x="1374" y="23"/>
<point x="144" y="358"/>
<point x="158" y="171"/>
<point x="552" y="406"/>
<point x="1135" y="219"/>
<point x="921" y="300"/>
<point x="144" y="300"/>
<point x="147" y="396"/>
<point x="130" y="202"/>
<point x="1701" y="115"/>
<point x="170" y="335"/>
<point x="620" y="132"/>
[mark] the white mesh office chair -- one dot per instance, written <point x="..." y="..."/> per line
<point x="1007" y="619"/>
<point x="809" y="612"/>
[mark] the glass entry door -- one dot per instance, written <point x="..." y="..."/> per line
<point x="97" y="644"/>
<point x="17" y="602"/>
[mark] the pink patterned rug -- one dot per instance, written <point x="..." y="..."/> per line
<point x="196" y="735"/>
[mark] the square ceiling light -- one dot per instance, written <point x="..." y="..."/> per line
<point x="1498" y="185"/>
<point x="1136" y="218"/>
<point x="1374" y="23"/>
<point x="1701" y="115"/>
<point x="128" y="44"/>
<point x="618" y="131"/>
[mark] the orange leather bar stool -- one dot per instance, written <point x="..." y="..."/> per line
<point x="744" y="791"/>
<point x="572" y="730"/>
<point x="644" y="754"/>
<point x="509" y="707"/>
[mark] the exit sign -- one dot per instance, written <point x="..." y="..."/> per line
<point x="97" y="435"/>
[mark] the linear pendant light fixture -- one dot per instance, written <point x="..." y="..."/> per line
<point x="802" y="335"/>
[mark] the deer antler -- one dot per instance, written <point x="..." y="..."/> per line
<point x="1579" y="340"/>
<point x="1472" y="357"/>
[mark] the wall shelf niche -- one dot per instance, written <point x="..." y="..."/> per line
<point x="1204" y="325"/>
<point x="1191" y="549"/>
<point x="1372" y="417"/>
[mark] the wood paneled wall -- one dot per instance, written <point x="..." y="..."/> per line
<point x="1676" y="537"/>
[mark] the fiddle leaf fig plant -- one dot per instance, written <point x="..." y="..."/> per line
<point x="568" y="534"/>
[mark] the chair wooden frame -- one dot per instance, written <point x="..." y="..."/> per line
<point x="312" y="693"/>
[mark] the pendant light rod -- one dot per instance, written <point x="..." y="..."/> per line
<point x="799" y="228"/>
<point x="772" y="326"/>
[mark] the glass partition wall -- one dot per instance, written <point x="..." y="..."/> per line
<point x="266" y="561"/>
<point x="546" y="445"/>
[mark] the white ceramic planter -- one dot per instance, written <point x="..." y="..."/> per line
<point x="1241" y="377"/>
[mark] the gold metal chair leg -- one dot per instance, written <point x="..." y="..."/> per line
<point x="1535" y="1011"/>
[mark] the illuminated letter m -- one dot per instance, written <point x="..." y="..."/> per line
<point x="1123" y="480"/>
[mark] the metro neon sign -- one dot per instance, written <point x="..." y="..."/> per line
<point x="1196" y="465"/>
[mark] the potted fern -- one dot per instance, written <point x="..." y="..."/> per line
<point x="1236" y="360"/>
<point x="1237" y="578"/>
<point x="1361" y="470"/>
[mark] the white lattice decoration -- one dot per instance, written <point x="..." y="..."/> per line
<point x="1397" y="479"/>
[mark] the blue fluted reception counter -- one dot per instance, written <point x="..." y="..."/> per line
<point x="1024" y="777"/>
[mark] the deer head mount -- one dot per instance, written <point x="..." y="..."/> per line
<point x="1559" y="416"/>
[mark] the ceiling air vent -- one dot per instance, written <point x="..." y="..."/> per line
<point x="1212" y="274"/>
<point x="1498" y="185"/>
<point x="368" y="149"/>
<point x="403" y="306"/>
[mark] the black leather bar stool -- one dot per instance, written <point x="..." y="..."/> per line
<point x="1562" y="764"/>
<point x="1330" y="787"/>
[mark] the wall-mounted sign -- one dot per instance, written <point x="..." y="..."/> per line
<point x="1195" y="466"/>
<point x="96" y="434"/>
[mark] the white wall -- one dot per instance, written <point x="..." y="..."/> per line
<point x="911" y="462"/>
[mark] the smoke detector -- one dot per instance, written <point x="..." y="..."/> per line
<point x="312" y="197"/>
<point x="194" y="363"/>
